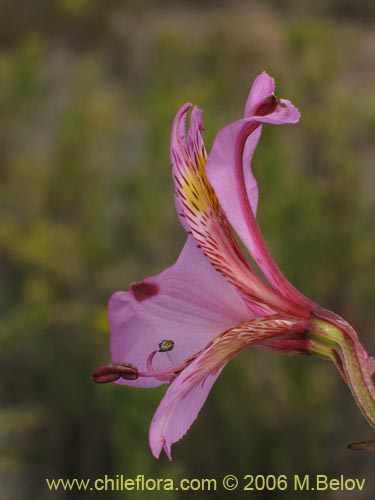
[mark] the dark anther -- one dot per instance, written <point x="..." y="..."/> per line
<point x="112" y="372"/>
<point x="166" y="345"/>
<point x="362" y="446"/>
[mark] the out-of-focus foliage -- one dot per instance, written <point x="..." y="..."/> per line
<point x="88" y="90"/>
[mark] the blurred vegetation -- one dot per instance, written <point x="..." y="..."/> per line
<point x="88" y="91"/>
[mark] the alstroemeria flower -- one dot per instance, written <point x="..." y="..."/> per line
<point x="182" y="326"/>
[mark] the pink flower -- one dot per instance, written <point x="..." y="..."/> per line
<point x="182" y="326"/>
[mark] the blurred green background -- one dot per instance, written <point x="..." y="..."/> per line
<point x="88" y="91"/>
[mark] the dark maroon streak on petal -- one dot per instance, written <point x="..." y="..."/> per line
<point x="112" y="372"/>
<point x="267" y="107"/>
<point x="144" y="290"/>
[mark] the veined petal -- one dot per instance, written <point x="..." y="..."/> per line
<point x="181" y="153"/>
<point x="227" y="170"/>
<point x="202" y="215"/>
<point x="188" y="392"/>
<point x="189" y="303"/>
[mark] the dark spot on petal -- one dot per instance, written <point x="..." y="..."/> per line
<point x="144" y="290"/>
<point x="267" y="107"/>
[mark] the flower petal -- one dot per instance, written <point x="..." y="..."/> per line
<point x="188" y="303"/>
<point x="182" y="151"/>
<point x="227" y="169"/>
<point x="235" y="185"/>
<point x="223" y="177"/>
<point x="188" y="392"/>
<point x="202" y="215"/>
<point x="263" y="104"/>
<point x="178" y="410"/>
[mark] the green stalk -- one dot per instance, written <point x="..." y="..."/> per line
<point x="344" y="349"/>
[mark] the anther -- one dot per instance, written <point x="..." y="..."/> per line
<point x="114" y="371"/>
<point x="362" y="446"/>
<point x="166" y="345"/>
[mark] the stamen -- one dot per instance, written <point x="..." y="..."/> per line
<point x="114" y="371"/>
<point x="165" y="375"/>
<point x="149" y="361"/>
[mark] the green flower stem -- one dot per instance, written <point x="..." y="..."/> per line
<point x="330" y="342"/>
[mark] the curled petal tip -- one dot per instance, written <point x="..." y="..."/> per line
<point x="114" y="371"/>
<point x="263" y="86"/>
<point x="293" y="115"/>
